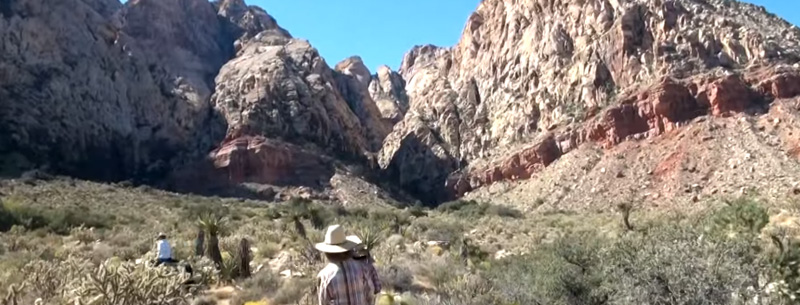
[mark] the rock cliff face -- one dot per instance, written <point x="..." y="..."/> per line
<point x="523" y="68"/>
<point x="81" y="97"/>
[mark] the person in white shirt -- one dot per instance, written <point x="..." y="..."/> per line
<point x="163" y="250"/>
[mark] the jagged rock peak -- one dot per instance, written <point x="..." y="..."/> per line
<point x="354" y="66"/>
<point x="388" y="90"/>
<point x="421" y="57"/>
<point x="247" y="20"/>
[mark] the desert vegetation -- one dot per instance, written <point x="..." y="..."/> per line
<point x="66" y="241"/>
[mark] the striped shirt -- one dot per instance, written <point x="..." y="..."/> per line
<point x="369" y="265"/>
<point x="346" y="283"/>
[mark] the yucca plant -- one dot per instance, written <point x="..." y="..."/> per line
<point x="299" y="228"/>
<point x="625" y="210"/>
<point x="227" y="269"/>
<point x="243" y="257"/>
<point x="371" y="236"/>
<point x="212" y="225"/>
<point x="199" y="243"/>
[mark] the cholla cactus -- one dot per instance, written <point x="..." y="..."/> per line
<point x="14" y="294"/>
<point x="76" y="281"/>
<point x="128" y="283"/>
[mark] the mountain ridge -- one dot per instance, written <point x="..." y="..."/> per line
<point x="223" y="96"/>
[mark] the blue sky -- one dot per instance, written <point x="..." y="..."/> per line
<point x="381" y="31"/>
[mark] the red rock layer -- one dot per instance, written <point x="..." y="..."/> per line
<point x="657" y="110"/>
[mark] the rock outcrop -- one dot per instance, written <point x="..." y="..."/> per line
<point x="280" y="88"/>
<point x="254" y="160"/>
<point x="523" y="68"/>
<point x="354" y="79"/>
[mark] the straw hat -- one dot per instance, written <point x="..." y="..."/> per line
<point x="335" y="241"/>
<point x="162" y="235"/>
<point x="360" y="248"/>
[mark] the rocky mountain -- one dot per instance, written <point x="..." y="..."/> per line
<point x="197" y="95"/>
<point x="101" y="90"/>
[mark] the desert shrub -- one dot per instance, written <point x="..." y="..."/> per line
<point x="260" y="286"/>
<point x="782" y="268"/>
<point x="59" y="220"/>
<point x="569" y="271"/>
<point x="742" y="216"/>
<point x="293" y="291"/>
<point x="438" y="271"/>
<point x="473" y="209"/>
<point x="83" y="234"/>
<point x="469" y="289"/>
<point x="134" y="248"/>
<point x="195" y="210"/>
<point x="267" y="250"/>
<point x="503" y="211"/>
<point x="418" y="210"/>
<point x="464" y="206"/>
<point x="678" y="265"/>
<point x="396" y="277"/>
<point x="665" y="264"/>
<point x="437" y="229"/>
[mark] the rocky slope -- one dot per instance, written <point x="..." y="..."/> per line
<point x="534" y="71"/>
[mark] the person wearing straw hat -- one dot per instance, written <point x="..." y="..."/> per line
<point x="361" y="254"/>
<point x="343" y="281"/>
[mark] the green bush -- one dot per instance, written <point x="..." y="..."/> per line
<point x="7" y="218"/>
